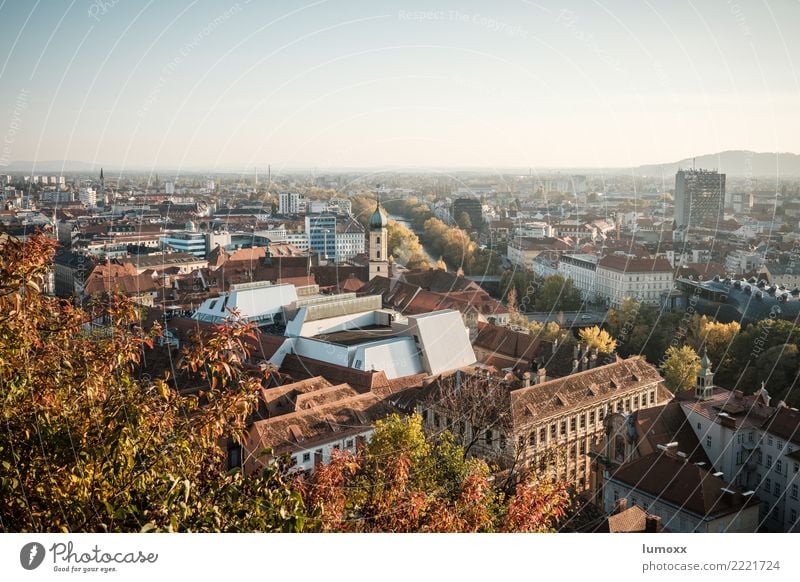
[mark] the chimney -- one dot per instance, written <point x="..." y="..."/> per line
<point x="584" y="363"/>
<point x="738" y="394"/>
<point x="593" y="359"/>
<point x="652" y="524"/>
<point x="620" y="505"/>
<point x="555" y="346"/>
<point x="526" y="379"/>
<point x="574" y="365"/>
<point x="576" y="351"/>
<point x="542" y="374"/>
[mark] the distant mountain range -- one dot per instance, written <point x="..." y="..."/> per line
<point x="736" y="163"/>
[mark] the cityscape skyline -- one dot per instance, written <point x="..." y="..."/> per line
<point x="318" y="85"/>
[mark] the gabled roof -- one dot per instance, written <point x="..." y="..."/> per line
<point x="507" y="342"/>
<point x="681" y="483"/>
<point x="785" y="423"/>
<point x="439" y="280"/>
<point x="300" y="367"/>
<point x="660" y="425"/>
<point x="126" y="284"/>
<point x="306" y="428"/>
<point x="253" y="254"/>
<point x="729" y="407"/>
<point x="554" y="397"/>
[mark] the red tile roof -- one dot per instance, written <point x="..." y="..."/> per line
<point x="681" y="483"/>
<point x="635" y="265"/>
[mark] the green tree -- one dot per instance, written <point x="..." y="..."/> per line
<point x="680" y="368"/>
<point x="558" y="294"/>
<point x="748" y="346"/>
<point x="522" y="282"/>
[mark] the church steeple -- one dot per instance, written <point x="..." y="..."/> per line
<point x="704" y="385"/>
<point x="378" y="244"/>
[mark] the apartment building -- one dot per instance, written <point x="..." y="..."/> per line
<point x="644" y="279"/>
<point x="582" y="269"/>
<point x="751" y="441"/>
<point x="550" y="426"/>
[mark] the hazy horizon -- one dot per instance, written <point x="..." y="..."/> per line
<point x="347" y="85"/>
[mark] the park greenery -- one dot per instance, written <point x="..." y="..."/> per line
<point x="766" y="351"/>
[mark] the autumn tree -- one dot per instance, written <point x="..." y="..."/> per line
<point x="680" y="368"/>
<point x="598" y="339"/>
<point x="473" y="404"/>
<point x="89" y="446"/>
<point x="404" y="245"/>
<point x="362" y="208"/>
<point x="710" y="335"/>
<point x="404" y="481"/>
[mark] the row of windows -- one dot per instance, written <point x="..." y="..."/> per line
<point x="559" y="428"/>
<point x="778" y="463"/>
<point x="348" y="444"/>
<point x="776" y="488"/>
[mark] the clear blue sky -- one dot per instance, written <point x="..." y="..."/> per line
<point x="332" y="84"/>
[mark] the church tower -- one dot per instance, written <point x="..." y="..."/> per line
<point x="704" y="386"/>
<point x="101" y="199"/>
<point x="378" y="244"/>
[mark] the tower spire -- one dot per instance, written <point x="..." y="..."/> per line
<point x="704" y="385"/>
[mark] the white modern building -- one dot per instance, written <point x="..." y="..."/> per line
<point x="375" y="339"/>
<point x="260" y="302"/>
<point x="190" y="240"/>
